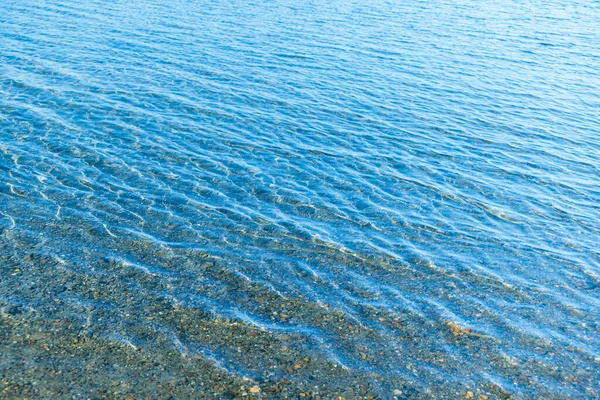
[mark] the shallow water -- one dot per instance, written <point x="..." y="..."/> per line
<point x="401" y="195"/>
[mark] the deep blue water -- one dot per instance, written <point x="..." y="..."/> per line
<point x="407" y="166"/>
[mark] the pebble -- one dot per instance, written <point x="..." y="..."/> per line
<point x="10" y="309"/>
<point x="254" y="389"/>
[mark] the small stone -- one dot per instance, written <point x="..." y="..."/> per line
<point x="397" y="392"/>
<point x="254" y="389"/>
<point x="483" y="397"/>
<point x="10" y="309"/>
<point x="469" y="395"/>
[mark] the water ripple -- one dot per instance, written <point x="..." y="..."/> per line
<point x="404" y="193"/>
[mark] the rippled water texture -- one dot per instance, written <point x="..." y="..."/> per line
<point x="380" y="198"/>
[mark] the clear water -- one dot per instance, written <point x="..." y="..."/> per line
<point x="403" y="189"/>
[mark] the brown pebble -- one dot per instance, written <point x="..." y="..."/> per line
<point x="254" y="389"/>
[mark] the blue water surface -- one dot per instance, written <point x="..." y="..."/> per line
<point x="428" y="171"/>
